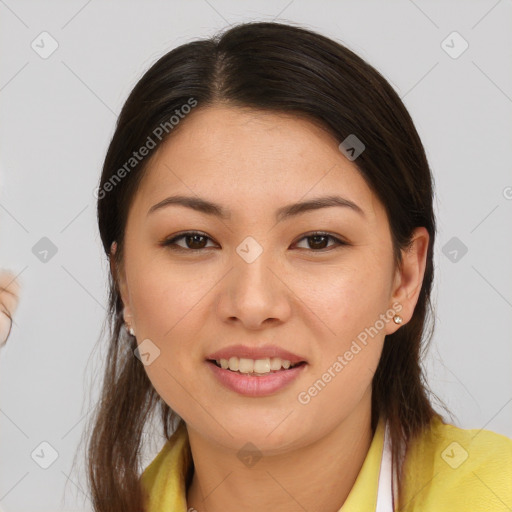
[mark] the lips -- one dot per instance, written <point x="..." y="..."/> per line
<point x="257" y="385"/>
<point x="244" y="351"/>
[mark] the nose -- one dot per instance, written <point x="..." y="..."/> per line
<point x="253" y="293"/>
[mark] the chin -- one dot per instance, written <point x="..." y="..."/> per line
<point x="271" y="437"/>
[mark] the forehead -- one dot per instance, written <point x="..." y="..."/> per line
<point x="244" y="157"/>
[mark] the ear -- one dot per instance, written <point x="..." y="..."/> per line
<point x="409" y="278"/>
<point x="119" y="278"/>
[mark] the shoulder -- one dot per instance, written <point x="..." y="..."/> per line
<point x="450" y="468"/>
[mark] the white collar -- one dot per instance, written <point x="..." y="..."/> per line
<point x="387" y="483"/>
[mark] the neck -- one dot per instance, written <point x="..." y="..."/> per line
<point x="317" y="477"/>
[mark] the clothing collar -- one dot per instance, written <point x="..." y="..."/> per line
<point x="164" y="480"/>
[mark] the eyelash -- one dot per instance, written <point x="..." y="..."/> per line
<point x="171" y="241"/>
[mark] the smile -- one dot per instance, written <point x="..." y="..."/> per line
<point x="256" y="367"/>
<point x="256" y="384"/>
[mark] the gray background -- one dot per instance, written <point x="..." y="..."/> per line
<point x="58" y="115"/>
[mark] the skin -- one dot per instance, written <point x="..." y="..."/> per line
<point x="309" y="298"/>
<point x="9" y="298"/>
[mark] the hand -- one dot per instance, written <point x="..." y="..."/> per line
<point x="9" y="297"/>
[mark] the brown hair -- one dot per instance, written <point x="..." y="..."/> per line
<point x="282" y="68"/>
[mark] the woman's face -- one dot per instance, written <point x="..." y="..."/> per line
<point x="259" y="279"/>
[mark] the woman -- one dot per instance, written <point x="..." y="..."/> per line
<point x="266" y="207"/>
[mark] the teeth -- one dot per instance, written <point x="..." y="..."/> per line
<point x="245" y="365"/>
<point x="258" y="366"/>
<point x="275" y="363"/>
<point x="262" y="366"/>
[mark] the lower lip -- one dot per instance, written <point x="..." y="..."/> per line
<point x="254" y="385"/>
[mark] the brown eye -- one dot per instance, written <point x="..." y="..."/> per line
<point x="318" y="241"/>
<point x="194" y="241"/>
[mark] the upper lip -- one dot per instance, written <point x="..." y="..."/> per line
<point x="256" y="353"/>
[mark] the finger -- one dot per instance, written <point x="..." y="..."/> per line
<point x="5" y="326"/>
<point x="9" y="291"/>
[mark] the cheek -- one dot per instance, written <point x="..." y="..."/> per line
<point x="166" y="303"/>
<point x="345" y="305"/>
<point x="345" y="298"/>
<point x="164" y="298"/>
<point x="347" y="351"/>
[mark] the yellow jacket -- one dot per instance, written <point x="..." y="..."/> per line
<point x="447" y="469"/>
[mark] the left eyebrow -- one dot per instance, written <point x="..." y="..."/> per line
<point x="285" y="212"/>
<point x="314" y="204"/>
